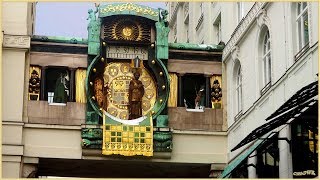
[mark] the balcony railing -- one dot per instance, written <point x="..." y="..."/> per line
<point x="40" y="112"/>
<point x="209" y="120"/>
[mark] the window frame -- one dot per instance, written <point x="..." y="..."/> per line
<point x="300" y="12"/>
<point x="266" y="59"/>
<point x="240" y="11"/>
<point x="238" y="90"/>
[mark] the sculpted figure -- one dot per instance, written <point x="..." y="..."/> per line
<point x="136" y="92"/>
<point x="200" y="99"/>
<point x="61" y="91"/>
<point x="34" y="83"/>
<point x="98" y="91"/>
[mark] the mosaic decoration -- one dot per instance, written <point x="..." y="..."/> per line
<point x="119" y="76"/>
<point x="126" y="139"/>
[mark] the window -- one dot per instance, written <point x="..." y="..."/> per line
<point x="240" y="11"/>
<point x="186" y="9"/>
<point x="175" y="33"/>
<point x="238" y="90"/>
<point x="192" y="84"/>
<point x="266" y="59"/>
<point x="57" y="85"/>
<point x="302" y="24"/>
<point x="304" y="133"/>
<point x="187" y="34"/>
<point x="217" y="28"/>
<point x="201" y="9"/>
<point x="268" y="159"/>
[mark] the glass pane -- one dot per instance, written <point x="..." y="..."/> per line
<point x="304" y="5"/>
<point x="300" y="34"/>
<point x="305" y="28"/>
<point x="299" y="8"/>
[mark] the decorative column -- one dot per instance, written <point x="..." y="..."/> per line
<point x="180" y="90"/>
<point x="72" y="85"/>
<point x="252" y="162"/>
<point x="285" y="154"/>
<point x="43" y="83"/>
<point x="208" y="88"/>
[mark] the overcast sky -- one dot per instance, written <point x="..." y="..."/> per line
<point x="68" y="19"/>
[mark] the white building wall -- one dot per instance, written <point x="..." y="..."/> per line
<point x="287" y="78"/>
<point x="288" y="75"/>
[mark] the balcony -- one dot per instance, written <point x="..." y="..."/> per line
<point x="209" y="120"/>
<point x="40" y="112"/>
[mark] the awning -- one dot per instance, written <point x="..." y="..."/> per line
<point x="290" y="110"/>
<point x="236" y="162"/>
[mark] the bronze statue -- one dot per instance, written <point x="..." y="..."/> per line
<point x="136" y="92"/>
<point x="61" y="91"/>
<point x="98" y="91"/>
<point x="105" y="96"/>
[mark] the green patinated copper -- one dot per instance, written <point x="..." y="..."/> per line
<point x="162" y="28"/>
<point x="59" y="39"/>
<point x="94" y="32"/>
<point x="128" y="9"/>
<point x="162" y="141"/>
<point x="91" y="137"/>
<point x="197" y="47"/>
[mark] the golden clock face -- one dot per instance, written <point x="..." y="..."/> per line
<point x="127" y="29"/>
<point x="127" y="32"/>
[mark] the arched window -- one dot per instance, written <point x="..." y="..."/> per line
<point x="238" y="90"/>
<point x="266" y="59"/>
<point x="302" y="24"/>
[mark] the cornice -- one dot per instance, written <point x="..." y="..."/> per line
<point x="242" y="28"/>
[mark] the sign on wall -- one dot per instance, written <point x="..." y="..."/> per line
<point x="127" y="52"/>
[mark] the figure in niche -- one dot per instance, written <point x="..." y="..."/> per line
<point x="98" y="91"/>
<point x="136" y="92"/>
<point x="216" y="94"/>
<point x="200" y="98"/>
<point x="105" y="94"/>
<point x="61" y="91"/>
<point x="34" y="86"/>
<point x="34" y="83"/>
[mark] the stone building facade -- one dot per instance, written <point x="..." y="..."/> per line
<point x="269" y="60"/>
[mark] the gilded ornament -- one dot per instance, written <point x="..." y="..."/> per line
<point x="161" y="73"/>
<point x="152" y="45"/>
<point x="94" y="98"/>
<point x="153" y="112"/>
<point x="163" y="86"/>
<point x="94" y="70"/>
<point x="102" y="59"/>
<point x="127" y="31"/>
<point x="91" y="83"/>
<point x="104" y="43"/>
<point x="153" y="61"/>
<point x="129" y="7"/>
<point x="160" y="100"/>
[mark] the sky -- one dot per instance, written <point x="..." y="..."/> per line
<point x="69" y="19"/>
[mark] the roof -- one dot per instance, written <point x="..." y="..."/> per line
<point x="290" y="110"/>
<point x="196" y="47"/>
<point x="59" y="39"/>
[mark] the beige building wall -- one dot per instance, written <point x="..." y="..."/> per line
<point x="23" y="143"/>
<point x="17" y="21"/>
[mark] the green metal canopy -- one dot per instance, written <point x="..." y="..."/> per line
<point x="236" y="162"/>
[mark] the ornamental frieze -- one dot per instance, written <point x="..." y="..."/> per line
<point x="16" y="41"/>
<point x="129" y="7"/>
